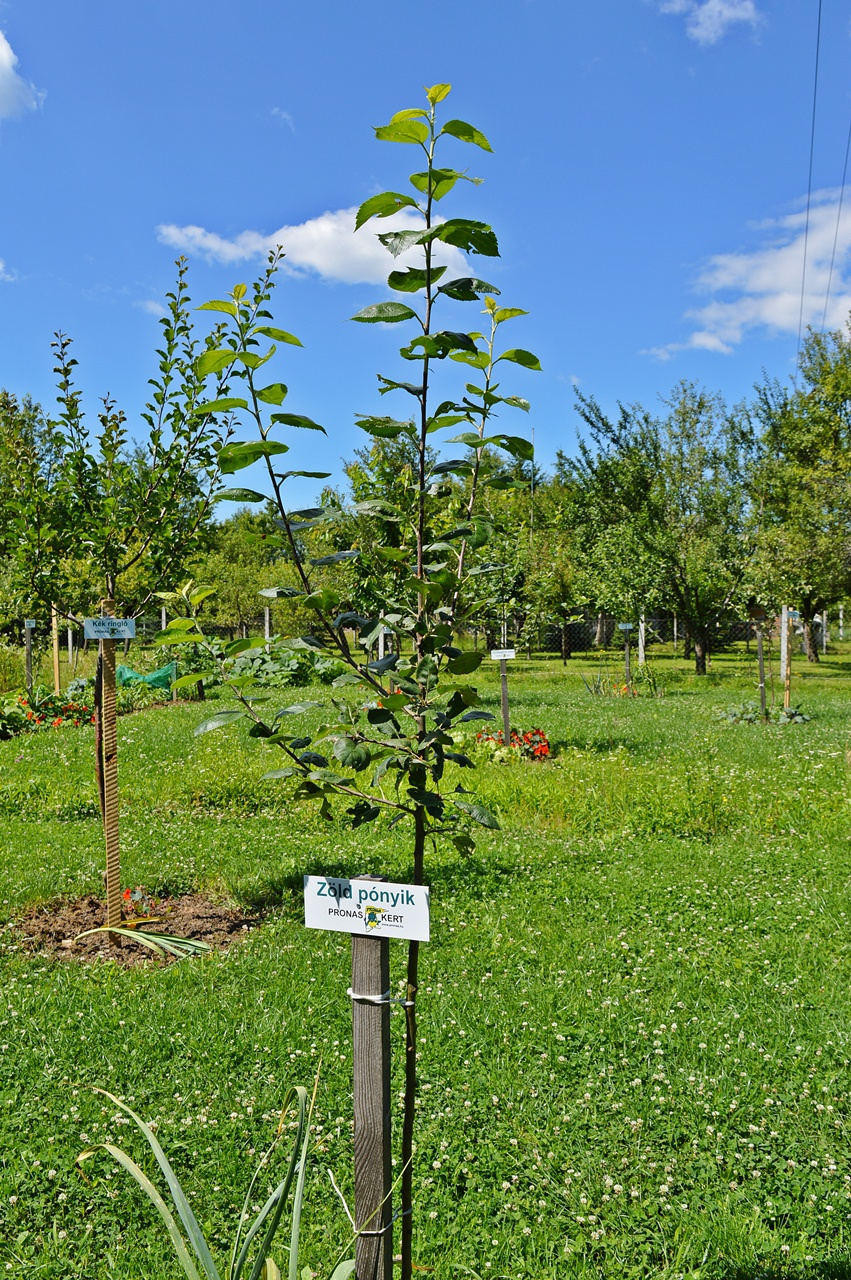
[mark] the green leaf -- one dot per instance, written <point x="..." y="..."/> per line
<point x="466" y="133"/>
<point x="213" y="361"/>
<point x="218" y="304"/>
<point x="336" y="558"/>
<point x="278" y="773"/>
<point x="442" y="181"/>
<point x="384" y="428"/>
<point x="217" y="721"/>
<point x="518" y="356"/>
<point x="277" y="335"/>
<point x="297" y="420"/>
<point x="275" y="393"/>
<point x="435" y="94"/>
<point x="464" y="664"/>
<point x="386" y="312"/>
<point x="467" y="289"/>
<point x="352" y="755"/>
<point x="403" y="129"/>
<point x="221" y="406"/>
<point x="413" y="279"/>
<point x="382" y="206"/>
<point x="508" y="313"/>
<point x="323" y="599"/>
<point x="468" y="235"/>
<point x="476" y="715"/>
<point x="192" y="678"/>
<point x="517" y="402"/>
<point x="233" y="457"/>
<point x="475" y="359"/>
<point x="400" y="241"/>
<point x="239" y="495"/>
<point x="516" y="446"/>
<point x="477" y="812"/>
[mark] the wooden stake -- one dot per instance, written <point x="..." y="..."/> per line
<point x="627" y="672"/>
<point x="372" y="1107"/>
<point x="109" y="773"/>
<point x="786" y="627"/>
<point x="506" y="723"/>
<point x="54" y="626"/>
<point x="642" y="640"/>
<point x="760" y="657"/>
<point x="28" y="651"/>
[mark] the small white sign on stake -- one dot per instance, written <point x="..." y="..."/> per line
<point x="503" y="655"/>
<point x="372" y="908"/>
<point x="109" y="628"/>
<point x="29" y="624"/>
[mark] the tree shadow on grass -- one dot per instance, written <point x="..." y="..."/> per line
<point x="284" y="892"/>
<point x="834" y="1269"/>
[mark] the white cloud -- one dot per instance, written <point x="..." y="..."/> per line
<point x="761" y="289"/>
<point x="4" y="274"/>
<point x="327" y="245"/>
<point x="152" y="307"/>
<point x="707" y="20"/>
<point x="17" y="95"/>
<point x="284" y="117"/>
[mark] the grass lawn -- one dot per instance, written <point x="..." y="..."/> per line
<point x="634" y="1009"/>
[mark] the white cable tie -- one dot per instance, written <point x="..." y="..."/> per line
<point x="384" y="998"/>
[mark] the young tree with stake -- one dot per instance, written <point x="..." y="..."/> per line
<point x="391" y="755"/>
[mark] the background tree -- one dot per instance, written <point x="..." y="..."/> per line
<point x="103" y="515"/>
<point x="803" y="483"/>
<point x="665" y="503"/>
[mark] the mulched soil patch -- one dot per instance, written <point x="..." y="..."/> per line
<point x="54" y="929"/>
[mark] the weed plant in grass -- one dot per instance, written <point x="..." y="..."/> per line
<point x="635" y="1006"/>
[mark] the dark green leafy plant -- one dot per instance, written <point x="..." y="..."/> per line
<point x="750" y="713"/>
<point x="195" y="1257"/>
<point x="387" y="752"/>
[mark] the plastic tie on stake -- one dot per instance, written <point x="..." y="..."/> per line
<point x="384" y="998"/>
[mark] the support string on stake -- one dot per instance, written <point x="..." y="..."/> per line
<point x="384" y="998"/>
<point x="387" y="1226"/>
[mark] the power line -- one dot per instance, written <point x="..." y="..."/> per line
<point x="809" y="188"/>
<point x="836" y="232"/>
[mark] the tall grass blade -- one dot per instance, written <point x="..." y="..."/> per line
<point x="299" y="1150"/>
<point x="187" y="1217"/>
<point x="343" y="1270"/>
<point x="156" y="1199"/>
<point x="276" y="1196"/>
<point x="160" y="943"/>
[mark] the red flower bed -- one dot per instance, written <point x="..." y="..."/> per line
<point x="532" y="743"/>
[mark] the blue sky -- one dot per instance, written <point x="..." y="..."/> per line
<point x="648" y="186"/>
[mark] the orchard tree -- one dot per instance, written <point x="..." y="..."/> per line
<point x="388" y="753"/>
<point x="106" y="508"/>
<point x="666" y="507"/>
<point x="803" y="482"/>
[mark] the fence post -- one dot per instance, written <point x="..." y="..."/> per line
<point x="29" y="624"/>
<point x="372" y="1107"/>
<point x="109" y="766"/>
<point x="54" y="629"/>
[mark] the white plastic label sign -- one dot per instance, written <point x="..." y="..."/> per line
<point x="109" y="628"/>
<point x="29" y="624"/>
<point x="502" y="655"/>
<point x="373" y="908"/>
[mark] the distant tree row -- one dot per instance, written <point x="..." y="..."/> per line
<point x="700" y="510"/>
